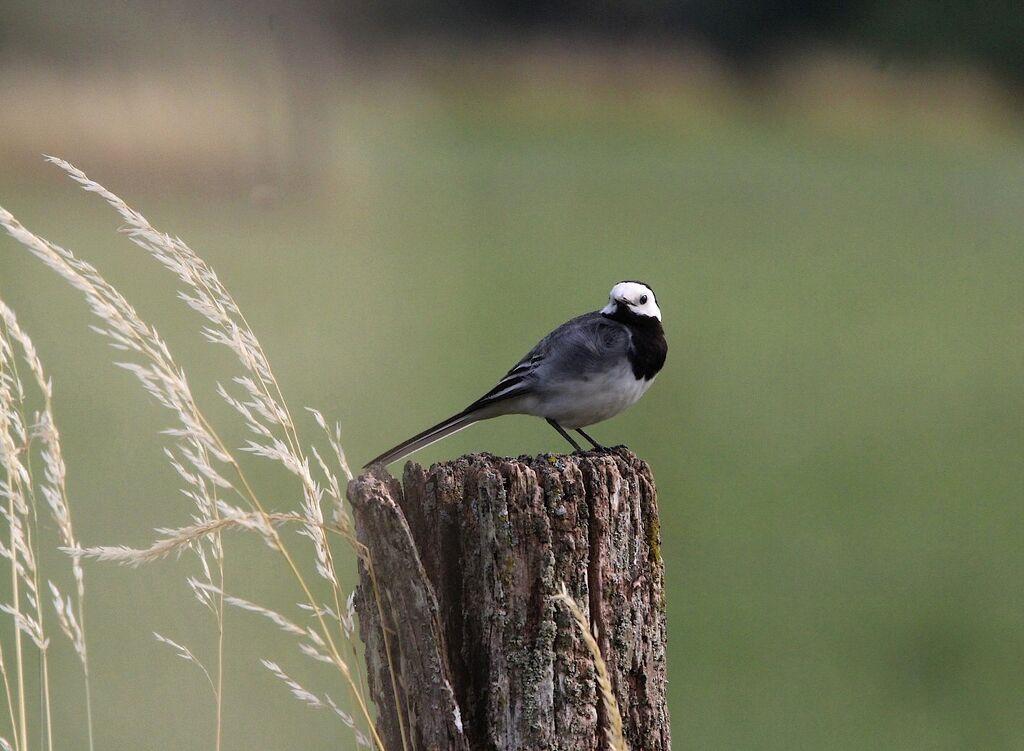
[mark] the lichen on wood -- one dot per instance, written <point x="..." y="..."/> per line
<point x="466" y="646"/>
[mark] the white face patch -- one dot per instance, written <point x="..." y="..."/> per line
<point x="639" y="297"/>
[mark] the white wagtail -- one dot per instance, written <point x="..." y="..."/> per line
<point x="585" y="371"/>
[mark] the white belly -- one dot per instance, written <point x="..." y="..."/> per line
<point x="579" y="403"/>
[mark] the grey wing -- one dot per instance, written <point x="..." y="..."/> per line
<point x="585" y="346"/>
<point x="582" y="346"/>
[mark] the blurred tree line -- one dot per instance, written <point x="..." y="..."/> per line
<point x="988" y="34"/>
<point x="747" y="32"/>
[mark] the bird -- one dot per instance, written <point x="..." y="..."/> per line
<point x="587" y="370"/>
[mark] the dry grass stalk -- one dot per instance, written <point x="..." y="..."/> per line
<point x="195" y="445"/>
<point x="201" y="459"/>
<point x="310" y="699"/>
<point x="261" y="402"/>
<point x="186" y="654"/>
<point x="613" y="733"/>
<point x="21" y="439"/>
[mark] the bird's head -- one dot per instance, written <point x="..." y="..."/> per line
<point x="632" y="298"/>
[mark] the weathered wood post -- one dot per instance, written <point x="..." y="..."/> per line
<point x="465" y="647"/>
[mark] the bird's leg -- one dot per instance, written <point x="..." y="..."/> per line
<point x="593" y="443"/>
<point x="564" y="435"/>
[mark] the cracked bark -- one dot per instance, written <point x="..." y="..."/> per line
<point x="466" y="557"/>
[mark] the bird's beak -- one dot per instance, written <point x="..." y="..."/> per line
<point x="622" y="301"/>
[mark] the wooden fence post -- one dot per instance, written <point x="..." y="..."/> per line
<point x="466" y="648"/>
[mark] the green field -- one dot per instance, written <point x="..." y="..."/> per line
<point x="837" y="435"/>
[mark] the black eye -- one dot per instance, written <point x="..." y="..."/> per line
<point x="643" y="299"/>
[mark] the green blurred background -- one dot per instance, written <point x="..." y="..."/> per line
<point x="401" y="209"/>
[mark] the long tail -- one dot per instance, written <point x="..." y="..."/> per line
<point x="453" y="424"/>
